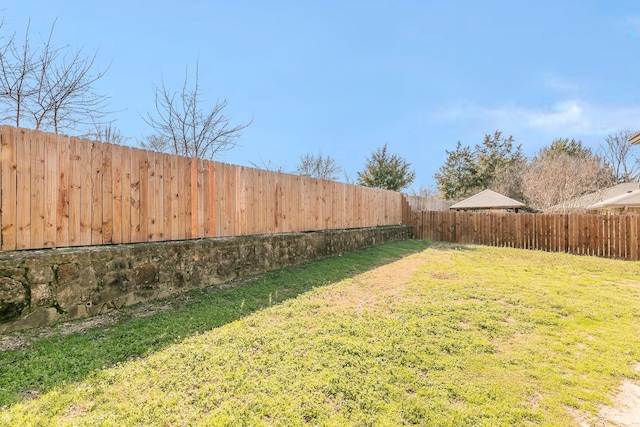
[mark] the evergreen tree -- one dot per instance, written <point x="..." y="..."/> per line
<point x="565" y="146"/>
<point x="458" y="178"/>
<point x="383" y="170"/>
<point x="489" y="164"/>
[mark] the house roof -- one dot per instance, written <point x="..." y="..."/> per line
<point x="488" y="199"/>
<point x="631" y="198"/>
<point x="597" y="197"/>
<point x="635" y="138"/>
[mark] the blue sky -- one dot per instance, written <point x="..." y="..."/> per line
<point x="346" y="77"/>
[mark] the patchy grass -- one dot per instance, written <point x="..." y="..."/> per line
<point x="50" y="357"/>
<point x="452" y="335"/>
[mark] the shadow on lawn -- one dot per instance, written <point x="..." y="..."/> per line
<point x="52" y="358"/>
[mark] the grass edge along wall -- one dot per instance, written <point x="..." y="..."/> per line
<point x="41" y="287"/>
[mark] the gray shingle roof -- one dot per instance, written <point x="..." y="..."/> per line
<point x="631" y="198"/>
<point x="488" y="199"/>
<point x="588" y="201"/>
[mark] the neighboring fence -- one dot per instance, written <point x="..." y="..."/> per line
<point x="58" y="191"/>
<point x="419" y="203"/>
<point x="610" y="236"/>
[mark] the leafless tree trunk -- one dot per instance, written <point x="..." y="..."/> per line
<point x="183" y="128"/>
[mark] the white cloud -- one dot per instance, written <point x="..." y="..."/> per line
<point x="567" y="117"/>
<point x="560" y="85"/>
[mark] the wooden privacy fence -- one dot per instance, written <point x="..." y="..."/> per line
<point x="610" y="236"/>
<point x="59" y="191"/>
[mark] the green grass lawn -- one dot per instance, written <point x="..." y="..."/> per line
<point x="448" y="335"/>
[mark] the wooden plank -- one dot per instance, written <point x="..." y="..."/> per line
<point x="9" y="188"/>
<point x="154" y="183"/>
<point x="209" y="191"/>
<point x="200" y="199"/>
<point x="62" y="205"/>
<point x="348" y="205"/>
<point x="153" y="197"/>
<point x="220" y="199"/>
<point x="596" y="226"/>
<point x="176" y="232"/>
<point x="37" y="190"/>
<point x="158" y="197"/>
<point x="250" y="205"/>
<point x="146" y="202"/>
<point x="116" y="173"/>
<point x="182" y="197"/>
<point x="126" y="174"/>
<point x="85" y="148"/>
<point x="50" y="189"/>
<point x="633" y="238"/>
<point x="225" y="203"/>
<point x="625" y="231"/>
<point x="615" y="234"/>
<point x="107" y="194"/>
<point x="193" y="207"/>
<point x="96" y="193"/>
<point x="23" y="189"/>
<point x="277" y="204"/>
<point x="270" y="202"/>
<point x="241" y="201"/>
<point x="305" y="203"/>
<point x="608" y="233"/>
<point x="138" y="159"/>
<point x="167" y="176"/>
<point x="260" y="205"/>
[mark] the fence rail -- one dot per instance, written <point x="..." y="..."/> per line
<point x="610" y="236"/>
<point x="58" y="191"/>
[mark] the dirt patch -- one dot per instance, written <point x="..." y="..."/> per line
<point x="378" y="289"/>
<point x="623" y="412"/>
<point x="625" y="409"/>
<point x="626" y="406"/>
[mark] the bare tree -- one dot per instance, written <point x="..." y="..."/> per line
<point x="508" y="180"/>
<point x="318" y="166"/>
<point x="555" y="183"/>
<point x="617" y="151"/>
<point x="107" y="133"/>
<point x="182" y="126"/>
<point x="49" y="87"/>
<point x="16" y="72"/>
<point x="426" y="191"/>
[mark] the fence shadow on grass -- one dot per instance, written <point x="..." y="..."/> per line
<point x="52" y="358"/>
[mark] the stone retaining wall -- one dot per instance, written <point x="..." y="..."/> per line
<point x="41" y="287"/>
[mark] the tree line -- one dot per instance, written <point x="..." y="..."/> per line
<point x="559" y="172"/>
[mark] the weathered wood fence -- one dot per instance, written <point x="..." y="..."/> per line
<point x="610" y="236"/>
<point x="58" y="191"/>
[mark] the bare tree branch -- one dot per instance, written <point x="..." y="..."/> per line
<point x="183" y="127"/>
<point x="47" y="86"/>
<point x="556" y="182"/>
<point x="617" y="151"/>
<point x="318" y="166"/>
